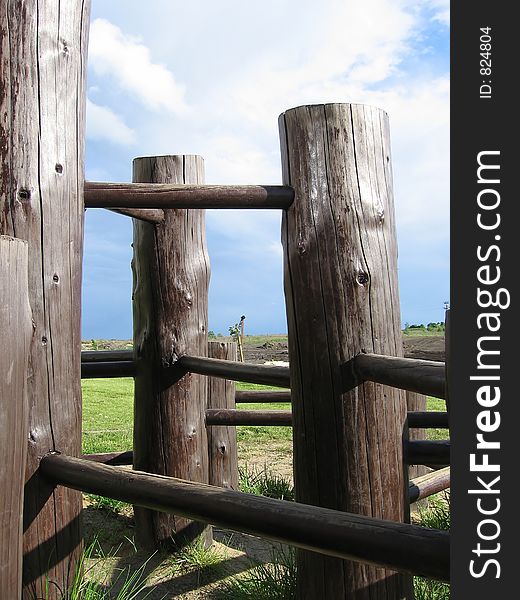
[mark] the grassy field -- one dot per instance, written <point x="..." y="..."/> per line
<point x="108" y="419"/>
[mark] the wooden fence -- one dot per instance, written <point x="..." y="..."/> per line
<point x="349" y="414"/>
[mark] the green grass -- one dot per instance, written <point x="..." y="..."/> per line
<point x="275" y="580"/>
<point x="264" y="483"/>
<point x="108" y="417"/>
<point x="435" y="516"/>
<point x="93" y="580"/>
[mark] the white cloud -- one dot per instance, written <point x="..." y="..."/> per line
<point x="127" y="60"/>
<point x="104" y="124"/>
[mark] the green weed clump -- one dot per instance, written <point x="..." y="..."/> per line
<point x="275" y="580"/>
<point x="94" y="582"/>
<point x="264" y="483"/>
<point x="436" y="516"/>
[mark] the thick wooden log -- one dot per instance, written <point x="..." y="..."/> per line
<point x="340" y="260"/>
<point x="222" y="440"/>
<point x="105" y="370"/>
<point x="422" y="376"/>
<point x="89" y="356"/>
<point x="394" y="545"/>
<point x="427" y="419"/>
<point x="111" y="458"/>
<point x="236" y="371"/>
<point x="170" y="307"/>
<point x="15" y="341"/>
<point x="248" y="417"/>
<point x="150" y="215"/>
<point x="428" y="452"/>
<point x="142" y="195"/>
<point x="254" y="396"/>
<point x="429" y="484"/>
<point x="43" y="48"/>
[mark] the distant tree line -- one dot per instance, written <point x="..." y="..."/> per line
<point x="432" y="327"/>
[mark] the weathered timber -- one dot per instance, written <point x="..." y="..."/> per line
<point x="427" y="419"/>
<point x="170" y="307"/>
<point x="447" y="352"/>
<point x="340" y="277"/>
<point x="163" y="196"/>
<point x="394" y="545"/>
<point x="253" y="396"/>
<point x="15" y="341"/>
<point x="222" y="440"/>
<point x="111" y="458"/>
<point x="119" y="368"/>
<point x="150" y="215"/>
<point x="43" y="48"/>
<point x="236" y="371"/>
<point x="415" y="403"/>
<point x="429" y="484"/>
<point x="248" y="417"/>
<point x="428" y="452"/>
<point x="422" y="376"/>
<point x="88" y="356"/>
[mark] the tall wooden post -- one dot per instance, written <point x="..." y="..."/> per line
<point x="15" y="340"/>
<point x="43" y="49"/>
<point x="222" y="440"/>
<point x="342" y="299"/>
<point x="170" y="304"/>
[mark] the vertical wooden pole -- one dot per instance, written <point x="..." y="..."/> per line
<point x="43" y="49"/>
<point x="15" y="339"/>
<point x="170" y="304"/>
<point x="415" y="402"/>
<point x="341" y="293"/>
<point x="222" y="441"/>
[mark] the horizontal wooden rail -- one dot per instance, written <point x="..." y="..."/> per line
<point x="429" y="484"/>
<point x="88" y="356"/>
<point x="96" y="370"/>
<point x="111" y="458"/>
<point x="420" y="488"/>
<point x="160" y="195"/>
<point x="264" y="396"/>
<point x="421" y="376"/>
<point x="427" y="419"/>
<point x="236" y="371"/>
<point x="396" y="546"/>
<point x="427" y="452"/>
<point x="229" y="416"/>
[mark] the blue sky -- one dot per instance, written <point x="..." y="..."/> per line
<point x="211" y="78"/>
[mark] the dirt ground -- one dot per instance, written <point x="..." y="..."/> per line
<point x="428" y="347"/>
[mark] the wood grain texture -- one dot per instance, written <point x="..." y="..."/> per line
<point x="170" y="306"/>
<point x="396" y="545"/>
<point x="15" y="335"/>
<point x="430" y="483"/>
<point x="139" y="195"/>
<point x="422" y="376"/>
<point x="150" y="215"/>
<point x="237" y="371"/>
<point x="42" y="105"/>
<point x="340" y="277"/>
<point x="222" y="439"/>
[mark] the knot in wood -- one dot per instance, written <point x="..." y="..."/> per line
<point x="24" y="194"/>
<point x="58" y="168"/>
<point x="362" y="278"/>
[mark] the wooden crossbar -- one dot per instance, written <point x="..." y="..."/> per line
<point x="161" y="196"/>
<point x="388" y="544"/>
<point x="421" y="376"/>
